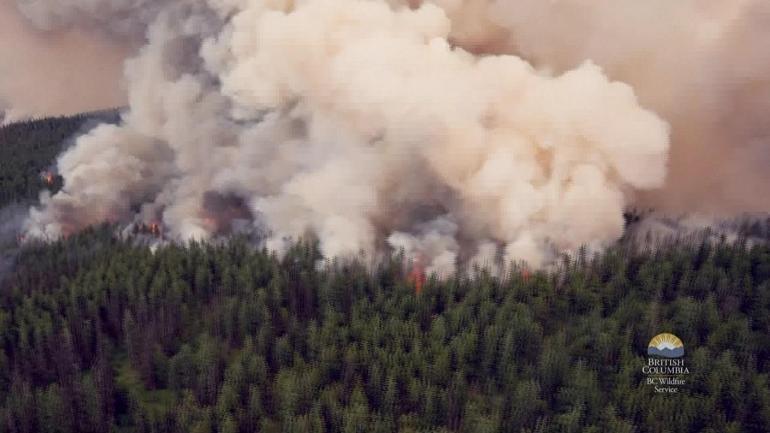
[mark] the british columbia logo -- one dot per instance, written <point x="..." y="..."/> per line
<point x="666" y="345"/>
<point x="665" y="368"/>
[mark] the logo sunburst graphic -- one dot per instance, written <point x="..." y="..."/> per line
<point x="666" y="345"/>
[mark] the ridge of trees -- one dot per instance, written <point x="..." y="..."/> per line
<point x="99" y="334"/>
<point x="29" y="147"/>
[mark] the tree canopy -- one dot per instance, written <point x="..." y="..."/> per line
<point x="102" y="334"/>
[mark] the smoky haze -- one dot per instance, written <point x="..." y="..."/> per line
<point x="57" y="72"/>
<point x="701" y="65"/>
<point x="458" y="131"/>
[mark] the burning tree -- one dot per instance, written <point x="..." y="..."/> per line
<point x="48" y="178"/>
<point x="417" y="276"/>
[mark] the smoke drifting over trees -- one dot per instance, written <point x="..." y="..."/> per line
<point x="459" y="131"/>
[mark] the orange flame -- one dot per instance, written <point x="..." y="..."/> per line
<point x="151" y="228"/>
<point x="48" y="178"/>
<point x="210" y="223"/>
<point x="525" y="274"/>
<point x="417" y="276"/>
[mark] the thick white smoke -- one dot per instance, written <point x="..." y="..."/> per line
<point x="703" y="65"/>
<point x="359" y="121"/>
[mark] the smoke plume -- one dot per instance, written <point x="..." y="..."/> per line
<point x="460" y="131"/>
<point x="701" y="65"/>
<point x="361" y="123"/>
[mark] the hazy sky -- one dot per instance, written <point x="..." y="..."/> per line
<point x="60" y="72"/>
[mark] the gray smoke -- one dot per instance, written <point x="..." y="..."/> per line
<point x="361" y="123"/>
<point x="656" y="230"/>
<point x="701" y="65"/>
<point x="381" y="125"/>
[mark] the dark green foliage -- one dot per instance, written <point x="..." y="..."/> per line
<point x="103" y="335"/>
<point x="27" y="150"/>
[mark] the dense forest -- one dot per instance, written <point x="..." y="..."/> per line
<point x="101" y="333"/>
<point x="29" y="148"/>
